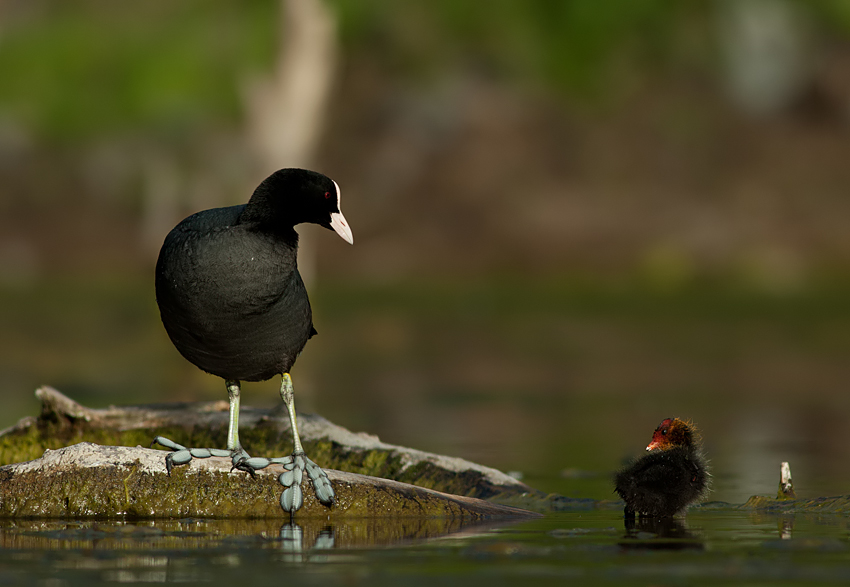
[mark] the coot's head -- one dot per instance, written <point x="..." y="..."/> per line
<point x="291" y="196"/>
<point x="671" y="433"/>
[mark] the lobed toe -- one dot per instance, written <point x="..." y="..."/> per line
<point x="181" y="457"/>
<point x="321" y="483"/>
<point x="167" y="443"/>
<point x="292" y="499"/>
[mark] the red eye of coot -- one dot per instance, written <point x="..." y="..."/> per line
<point x="327" y="195"/>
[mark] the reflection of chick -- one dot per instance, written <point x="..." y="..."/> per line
<point x="671" y="477"/>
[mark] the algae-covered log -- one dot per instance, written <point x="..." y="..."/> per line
<point x="839" y="504"/>
<point x="92" y="480"/>
<point x="787" y="502"/>
<point x="263" y="432"/>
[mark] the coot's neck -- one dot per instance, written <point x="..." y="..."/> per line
<point x="266" y="213"/>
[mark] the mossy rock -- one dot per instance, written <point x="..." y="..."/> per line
<point x="262" y="432"/>
<point x="90" y="480"/>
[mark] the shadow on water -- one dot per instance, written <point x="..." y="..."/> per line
<point x="659" y="534"/>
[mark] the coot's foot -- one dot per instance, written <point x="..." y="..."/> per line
<point x="292" y="498"/>
<point x="181" y="455"/>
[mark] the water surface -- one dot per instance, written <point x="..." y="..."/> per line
<point x="708" y="547"/>
<point x="558" y="383"/>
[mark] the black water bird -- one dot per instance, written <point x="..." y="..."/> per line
<point x="233" y="303"/>
<point x="671" y="477"/>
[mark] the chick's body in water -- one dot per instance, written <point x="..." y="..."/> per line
<point x="671" y="477"/>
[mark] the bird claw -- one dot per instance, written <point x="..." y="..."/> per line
<point x="321" y="484"/>
<point x="176" y="458"/>
<point x="243" y="462"/>
<point x="292" y="497"/>
<point x="180" y="455"/>
<point x="294" y="466"/>
<point x="162" y="441"/>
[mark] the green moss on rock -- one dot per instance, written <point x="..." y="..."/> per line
<point x="86" y="480"/>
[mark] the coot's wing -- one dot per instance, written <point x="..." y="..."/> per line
<point x="183" y="282"/>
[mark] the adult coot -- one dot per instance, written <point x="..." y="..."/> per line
<point x="233" y="303"/>
<point x="672" y="476"/>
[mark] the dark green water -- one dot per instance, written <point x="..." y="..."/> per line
<point x="539" y="376"/>
<point x="587" y="548"/>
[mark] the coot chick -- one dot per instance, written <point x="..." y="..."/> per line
<point x="233" y="303"/>
<point x="671" y="477"/>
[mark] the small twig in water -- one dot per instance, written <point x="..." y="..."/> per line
<point x="786" y="485"/>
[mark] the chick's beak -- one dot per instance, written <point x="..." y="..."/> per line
<point x="340" y="226"/>
<point x="652" y="445"/>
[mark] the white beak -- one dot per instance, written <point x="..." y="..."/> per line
<point x="339" y="224"/>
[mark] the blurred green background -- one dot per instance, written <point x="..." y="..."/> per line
<point x="573" y="218"/>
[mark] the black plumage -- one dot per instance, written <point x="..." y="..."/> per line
<point x="227" y="282"/>
<point x="233" y="303"/>
<point x="667" y="480"/>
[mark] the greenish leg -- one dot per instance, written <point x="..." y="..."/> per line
<point x="233" y="393"/>
<point x="287" y="394"/>
<point x="181" y="455"/>
<point x="295" y="466"/>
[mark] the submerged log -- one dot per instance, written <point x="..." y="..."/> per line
<point x="839" y="504"/>
<point x="87" y="480"/>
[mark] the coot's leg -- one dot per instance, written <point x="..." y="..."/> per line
<point x="234" y="392"/>
<point x="292" y="498"/>
<point x="181" y="455"/>
<point x="238" y="457"/>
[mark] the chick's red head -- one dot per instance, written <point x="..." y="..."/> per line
<point x="670" y="433"/>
